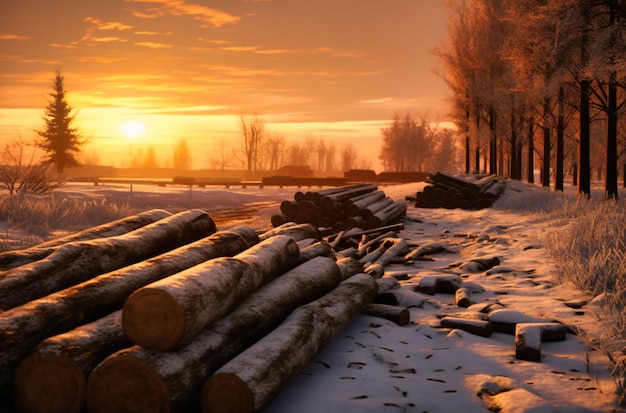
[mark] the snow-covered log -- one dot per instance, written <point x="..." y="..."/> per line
<point x="54" y="377"/>
<point x="314" y="250"/>
<point x="398" y="315"/>
<point x="138" y="379"/>
<point x="169" y="312"/>
<point x="349" y="267"/>
<point x="328" y="202"/>
<point x="371" y="209"/>
<point x="462" y="297"/>
<point x="296" y="231"/>
<point x="528" y="342"/>
<point x="481" y="328"/>
<point x="12" y="259"/>
<point x="250" y="381"/>
<point x="77" y="262"/>
<point x="23" y="327"/>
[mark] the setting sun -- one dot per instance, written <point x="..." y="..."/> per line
<point x="133" y="129"/>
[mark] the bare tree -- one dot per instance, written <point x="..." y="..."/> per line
<point x="20" y="173"/>
<point x="253" y="130"/>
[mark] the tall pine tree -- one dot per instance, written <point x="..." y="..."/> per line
<point x="58" y="139"/>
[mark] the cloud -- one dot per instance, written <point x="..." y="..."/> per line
<point x="154" y="45"/>
<point x="215" y="18"/>
<point x="9" y="36"/>
<point x="99" y="25"/>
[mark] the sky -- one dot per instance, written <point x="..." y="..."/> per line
<point x="189" y="69"/>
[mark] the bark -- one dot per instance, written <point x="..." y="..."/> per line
<point x="462" y="298"/>
<point x="12" y="259"/>
<point x="54" y="377"/>
<point x="531" y="151"/>
<point x="22" y="328"/>
<point x="77" y="262"/>
<point x="399" y="248"/>
<point x="168" y="313"/>
<point x="319" y="248"/>
<point x="252" y="380"/>
<point x="398" y="315"/>
<point x="560" y="136"/>
<point x="528" y="342"/>
<point x="166" y="381"/>
<point x="348" y="267"/>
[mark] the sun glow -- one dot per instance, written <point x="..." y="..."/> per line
<point x="133" y="129"/>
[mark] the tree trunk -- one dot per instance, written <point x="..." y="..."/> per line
<point x="77" y="262"/>
<point x="560" y="132"/>
<point x="531" y="151"/>
<point x="165" y="381"/>
<point x="611" y="141"/>
<point x="545" y="175"/>
<point x="493" y="144"/>
<point x="252" y="380"/>
<point x="54" y="377"/>
<point x="12" y="259"/>
<point x="371" y="209"/>
<point x="23" y="327"/>
<point x="169" y="312"/>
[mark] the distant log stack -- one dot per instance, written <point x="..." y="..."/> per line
<point x="357" y="206"/>
<point x="446" y="191"/>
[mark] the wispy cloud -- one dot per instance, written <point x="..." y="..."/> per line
<point x="214" y="17"/>
<point x="99" y="25"/>
<point x="10" y="36"/>
<point x="154" y="45"/>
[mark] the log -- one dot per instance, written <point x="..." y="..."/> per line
<point x="375" y="207"/>
<point x="23" y="327"/>
<point x="328" y="202"/>
<point x="363" y="248"/>
<point x="12" y="259"/>
<point x="77" y="262"/>
<point x="297" y="232"/>
<point x="319" y="248"/>
<point x="250" y="381"/>
<point x="388" y="215"/>
<point x="398" y="248"/>
<point x="138" y="379"/>
<point x="398" y="315"/>
<point x="354" y="207"/>
<point x="528" y="342"/>
<point x="168" y="313"/>
<point x="376" y="271"/>
<point x="348" y="267"/>
<point x="54" y="377"/>
<point x="478" y="327"/>
<point x="462" y="298"/>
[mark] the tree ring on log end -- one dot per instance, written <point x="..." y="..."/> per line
<point x="49" y="382"/>
<point x="153" y="319"/>
<point x="226" y="393"/>
<point x="126" y="384"/>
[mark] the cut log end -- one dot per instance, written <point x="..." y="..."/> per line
<point x="153" y="319"/>
<point x="49" y="383"/>
<point x="126" y="384"/>
<point x="226" y="393"/>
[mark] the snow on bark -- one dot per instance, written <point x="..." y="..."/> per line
<point x="296" y="231"/>
<point x="169" y="312"/>
<point x="23" y="327"/>
<point x="12" y="259"/>
<point x="77" y="262"/>
<point x="165" y="381"/>
<point x="253" y="379"/>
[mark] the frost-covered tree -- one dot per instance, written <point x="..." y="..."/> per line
<point x="182" y="156"/>
<point x="58" y="139"/>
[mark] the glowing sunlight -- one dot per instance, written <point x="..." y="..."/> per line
<point x="133" y="129"/>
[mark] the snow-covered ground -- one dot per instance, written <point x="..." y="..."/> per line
<point x="374" y="365"/>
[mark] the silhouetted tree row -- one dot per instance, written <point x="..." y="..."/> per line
<point x="539" y="79"/>
<point x="416" y="146"/>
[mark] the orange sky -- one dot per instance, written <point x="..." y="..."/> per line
<point x="332" y="69"/>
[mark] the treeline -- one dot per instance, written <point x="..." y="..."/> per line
<point x="539" y="79"/>
<point x="411" y="145"/>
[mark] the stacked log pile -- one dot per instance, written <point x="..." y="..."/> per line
<point x="446" y="191"/>
<point x="356" y="206"/>
<point x="146" y="333"/>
